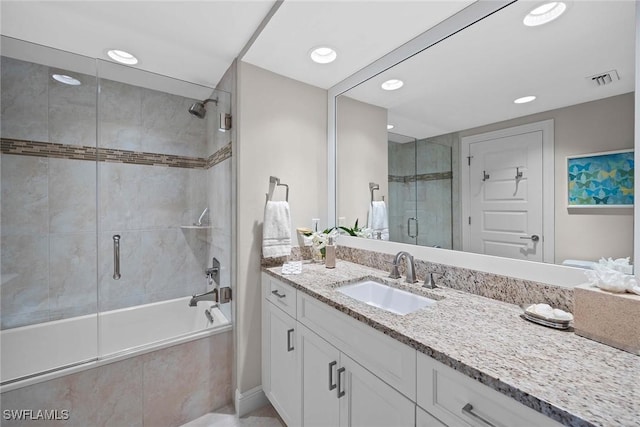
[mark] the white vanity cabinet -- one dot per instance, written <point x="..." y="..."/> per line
<point x="320" y="367"/>
<point x="280" y="351"/>
<point x="337" y="391"/>
<point x="458" y="400"/>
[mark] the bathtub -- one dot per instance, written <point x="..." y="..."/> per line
<point x="34" y="353"/>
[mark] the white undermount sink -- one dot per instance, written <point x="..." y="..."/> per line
<point x="385" y="297"/>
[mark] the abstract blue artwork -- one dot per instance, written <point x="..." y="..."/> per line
<point x="601" y="179"/>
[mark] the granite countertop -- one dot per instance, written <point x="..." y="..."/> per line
<point x="571" y="379"/>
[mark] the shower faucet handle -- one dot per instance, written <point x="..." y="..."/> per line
<point x="214" y="271"/>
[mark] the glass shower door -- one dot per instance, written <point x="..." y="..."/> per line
<point x="48" y="210"/>
<point x="163" y="198"/>
<point x="404" y="225"/>
<point x="434" y="179"/>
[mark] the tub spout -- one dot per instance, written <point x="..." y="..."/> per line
<point x="207" y="296"/>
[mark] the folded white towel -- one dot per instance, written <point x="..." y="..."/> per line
<point x="378" y="219"/>
<point x="276" y="230"/>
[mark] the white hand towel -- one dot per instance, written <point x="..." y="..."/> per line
<point x="276" y="230"/>
<point x="379" y="220"/>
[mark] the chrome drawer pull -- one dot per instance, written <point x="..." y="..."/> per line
<point x="278" y="294"/>
<point x="468" y="410"/>
<point x="332" y="385"/>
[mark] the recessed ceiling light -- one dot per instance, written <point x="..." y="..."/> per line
<point x="122" y="57"/>
<point x="389" y="127"/>
<point x="392" y="84"/>
<point x="524" y="99"/>
<point x="544" y="13"/>
<point x="323" y="55"/>
<point x="68" y="80"/>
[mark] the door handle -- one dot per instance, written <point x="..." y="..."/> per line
<point x="340" y="385"/>
<point x="289" y="345"/>
<point x="534" y="238"/>
<point x="116" y="257"/>
<point x="332" y="385"/>
<point x="409" y="227"/>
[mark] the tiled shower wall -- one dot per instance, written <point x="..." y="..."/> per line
<point x="50" y="259"/>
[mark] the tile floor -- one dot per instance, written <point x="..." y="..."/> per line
<point x="226" y="417"/>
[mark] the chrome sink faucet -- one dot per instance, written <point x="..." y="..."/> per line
<point x="411" y="267"/>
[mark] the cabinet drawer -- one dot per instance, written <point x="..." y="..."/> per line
<point x="457" y="399"/>
<point x="390" y="360"/>
<point x="280" y="294"/>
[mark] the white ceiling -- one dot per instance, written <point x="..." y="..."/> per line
<point x="472" y="78"/>
<point x="195" y="41"/>
<point x="360" y="32"/>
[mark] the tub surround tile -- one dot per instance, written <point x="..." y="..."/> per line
<point x="72" y="109"/>
<point x="72" y="196"/>
<point x="166" y="387"/>
<point x="178" y="382"/>
<point x="24" y="99"/>
<point x="169" y="264"/>
<point x="72" y="275"/>
<point x="25" y="198"/>
<point x="571" y="379"/>
<point x="25" y="280"/>
<point x="494" y="286"/>
<point x="107" y="396"/>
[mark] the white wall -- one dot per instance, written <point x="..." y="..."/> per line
<point x="281" y="132"/>
<point x="362" y="136"/>
<point x="603" y="125"/>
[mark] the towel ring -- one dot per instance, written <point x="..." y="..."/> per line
<point x="373" y="186"/>
<point x="276" y="181"/>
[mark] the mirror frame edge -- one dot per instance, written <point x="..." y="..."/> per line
<point x="552" y="274"/>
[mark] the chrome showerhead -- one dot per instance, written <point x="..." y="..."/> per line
<point x="198" y="110"/>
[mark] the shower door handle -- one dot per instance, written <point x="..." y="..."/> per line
<point x="116" y="257"/>
<point x="409" y="227"/>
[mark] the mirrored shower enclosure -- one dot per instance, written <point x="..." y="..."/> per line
<point x="113" y="196"/>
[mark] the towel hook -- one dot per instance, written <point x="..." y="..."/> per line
<point x="276" y="181"/>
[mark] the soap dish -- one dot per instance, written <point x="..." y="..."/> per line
<point x="556" y="324"/>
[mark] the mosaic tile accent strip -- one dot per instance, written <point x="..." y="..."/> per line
<point x="436" y="176"/>
<point x="219" y="156"/>
<point x="489" y="285"/>
<point x="47" y="149"/>
<point x="83" y="152"/>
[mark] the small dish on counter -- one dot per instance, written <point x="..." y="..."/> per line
<point x="543" y="314"/>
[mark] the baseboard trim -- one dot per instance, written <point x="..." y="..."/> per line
<point x="250" y="400"/>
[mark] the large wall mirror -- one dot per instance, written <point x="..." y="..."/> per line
<point x="461" y="165"/>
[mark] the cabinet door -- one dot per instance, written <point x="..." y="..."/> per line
<point x="283" y="385"/>
<point x="370" y="402"/>
<point x="425" y="419"/>
<point x="320" y="364"/>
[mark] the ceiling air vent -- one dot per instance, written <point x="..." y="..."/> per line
<point x="603" y="79"/>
